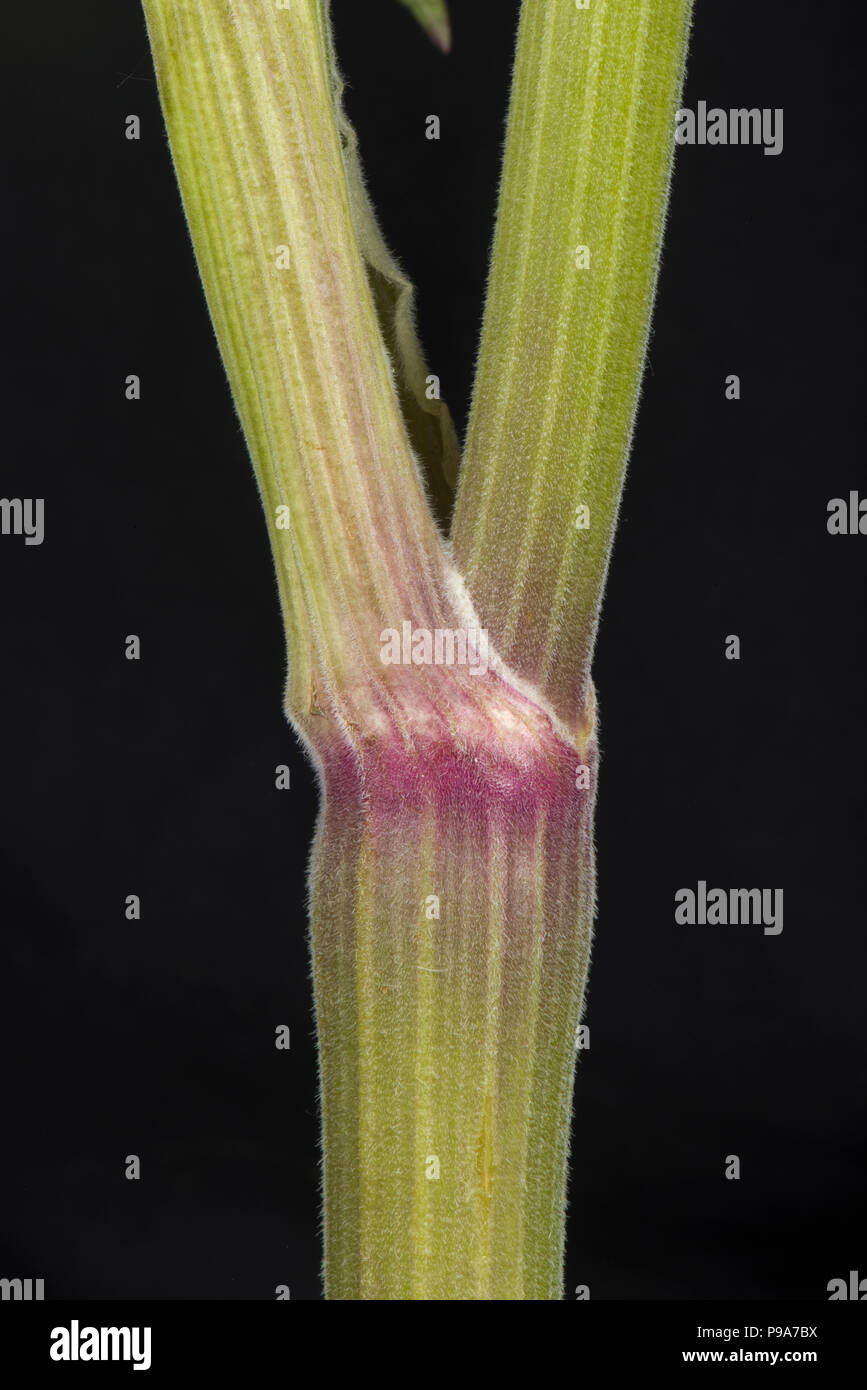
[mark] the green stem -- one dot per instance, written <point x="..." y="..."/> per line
<point x="452" y="915"/>
<point x="269" y="188"/>
<point x="587" y="164"/>
<point x="452" y="877"/>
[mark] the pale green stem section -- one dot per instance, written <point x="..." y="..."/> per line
<point x="451" y="949"/>
<point x="248" y="93"/>
<point x="584" y="188"/>
<point x="446" y="1038"/>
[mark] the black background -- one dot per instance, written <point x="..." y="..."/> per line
<point x="157" y="777"/>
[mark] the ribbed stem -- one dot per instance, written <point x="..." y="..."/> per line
<point x="250" y="99"/>
<point x="585" y="183"/>
<point x="452" y="901"/>
<point x="452" y="877"/>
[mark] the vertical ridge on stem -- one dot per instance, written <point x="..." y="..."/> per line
<point x="247" y="93"/>
<point x="584" y="190"/>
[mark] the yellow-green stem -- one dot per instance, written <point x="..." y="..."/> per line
<point x="452" y="906"/>
<point x="452" y="878"/>
<point x="582" y="202"/>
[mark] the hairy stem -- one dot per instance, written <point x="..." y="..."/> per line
<point x="249" y="97"/>
<point x="452" y="911"/>
<point x="451" y="883"/>
<point x="584" y="189"/>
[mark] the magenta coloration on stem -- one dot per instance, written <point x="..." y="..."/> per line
<point x="491" y="751"/>
<point x="470" y="796"/>
<point x="452" y="880"/>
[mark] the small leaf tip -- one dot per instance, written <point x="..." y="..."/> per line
<point x="442" y="36"/>
<point x="433" y="16"/>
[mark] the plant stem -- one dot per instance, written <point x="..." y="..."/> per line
<point x="452" y="911"/>
<point x="587" y="165"/>
<point x="248" y="95"/>
<point x="451" y="883"/>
